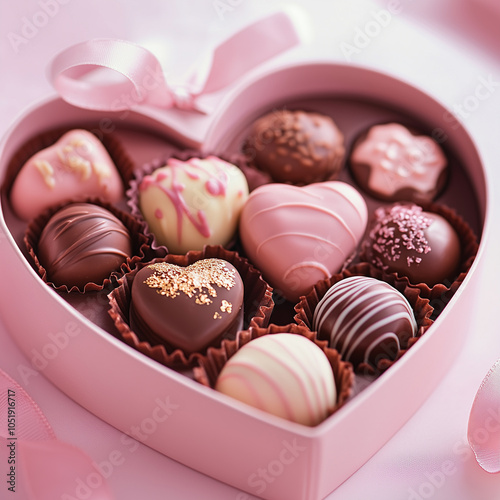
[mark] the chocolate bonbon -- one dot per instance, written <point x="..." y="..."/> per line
<point x="82" y="243"/>
<point x="188" y="308"/>
<point x="418" y="244"/>
<point x="284" y="374"/>
<point x="365" y="319"/>
<point x="392" y="163"/>
<point x="299" y="235"/>
<point x="296" y="146"/>
<point x="75" y="168"/>
<point x="189" y="204"/>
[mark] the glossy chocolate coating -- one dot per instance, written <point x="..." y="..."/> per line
<point x="365" y="319"/>
<point x="422" y="246"/>
<point x="83" y="243"/>
<point x="296" y="146"/>
<point x="187" y="307"/>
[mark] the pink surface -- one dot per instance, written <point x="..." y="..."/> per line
<point x="442" y="465"/>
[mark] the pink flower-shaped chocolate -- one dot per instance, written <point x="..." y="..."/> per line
<point x="392" y="164"/>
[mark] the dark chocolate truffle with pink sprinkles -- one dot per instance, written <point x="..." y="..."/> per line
<point x="405" y="239"/>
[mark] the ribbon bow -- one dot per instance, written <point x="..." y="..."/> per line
<point x="144" y="82"/>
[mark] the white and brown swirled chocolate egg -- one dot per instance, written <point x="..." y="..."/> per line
<point x="365" y="319"/>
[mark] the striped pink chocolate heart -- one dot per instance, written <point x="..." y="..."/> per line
<point x="299" y="235"/>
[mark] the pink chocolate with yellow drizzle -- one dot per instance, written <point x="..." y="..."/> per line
<point x="75" y="168"/>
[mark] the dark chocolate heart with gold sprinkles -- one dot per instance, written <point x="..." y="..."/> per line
<point x="189" y="308"/>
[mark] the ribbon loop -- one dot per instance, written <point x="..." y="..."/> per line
<point x="141" y="78"/>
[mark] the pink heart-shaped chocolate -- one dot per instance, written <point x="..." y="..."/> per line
<point x="189" y="307"/>
<point x="76" y="167"/>
<point x="299" y="235"/>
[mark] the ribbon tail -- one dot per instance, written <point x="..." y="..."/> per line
<point x="484" y="422"/>
<point x="53" y="469"/>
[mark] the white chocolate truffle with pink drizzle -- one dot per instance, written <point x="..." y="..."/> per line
<point x="189" y="204"/>
<point x="284" y="374"/>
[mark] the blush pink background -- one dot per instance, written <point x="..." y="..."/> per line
<point x="444" y="47"/>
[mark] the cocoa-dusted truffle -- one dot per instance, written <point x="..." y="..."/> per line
<point x="296" y="146"/>
<point x="423" y="246"/>
<point x="365" y="319"/>
<point x="392" y="163"/>
<point x="188" y="308"/>
<point x="83" y="243"/>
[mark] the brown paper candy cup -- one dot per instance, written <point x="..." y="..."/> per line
<point x="211" y="365"/>
<point x="421" y="307"/>
<point x="139" y="242"/>
<point x="257" y="305"/>
<point x="441" y="293"/>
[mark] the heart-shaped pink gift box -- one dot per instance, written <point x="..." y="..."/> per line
<point x="256" y="452"/>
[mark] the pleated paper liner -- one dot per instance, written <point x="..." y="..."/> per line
<point x="257" y="305"/>
<point x="440" y="294"/>
<point x="140" y="246"/>
<point x="421" y="308"/>
<point x="211" y="365"/>
<point x="253" y="180"/>
<point x="113" y="145"/>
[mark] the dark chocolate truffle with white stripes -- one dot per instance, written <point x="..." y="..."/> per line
<point x="365" y="319"/>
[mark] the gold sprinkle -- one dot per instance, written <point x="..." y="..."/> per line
<point x="196" y="281"/>
<point x="80" y="165"/>
<point x="101" y="170"/>
<point x="217" y="315"/>
<point x="226" y="307"/>
<point x="47" y="171"/>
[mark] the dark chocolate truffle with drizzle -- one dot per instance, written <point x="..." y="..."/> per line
<point x="365" y="319"/>
<point x="297" y="147"/>
<point x="83" y="243"/>
<point x="404" y="239"/>
<point x="188" y="308"/>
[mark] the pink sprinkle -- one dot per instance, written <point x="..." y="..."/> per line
<point x="162" y="175"/>
<point x="409" y="222"/>
<point x="158" y="214"/>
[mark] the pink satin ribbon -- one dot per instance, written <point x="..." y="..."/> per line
<point x="36" y="462"/>
<point x="484" y="422"/>
<point x="142" y="79"/>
